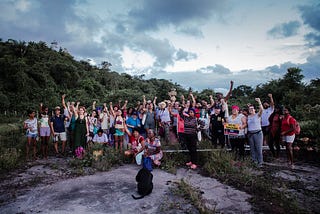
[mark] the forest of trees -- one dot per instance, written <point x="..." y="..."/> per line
<point x="34" y="72"/>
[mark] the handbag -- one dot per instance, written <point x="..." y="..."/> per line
<point x="139" y="158"/>
<point x="199" y="136"/>
<point x="147" y="163"/>
<point x="112" y="130"/>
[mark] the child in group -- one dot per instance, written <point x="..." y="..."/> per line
<point x="101" y="137"/>
<point x="31" y="127"/>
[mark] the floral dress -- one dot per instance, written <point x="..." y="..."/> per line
<point x="152" y="146"/>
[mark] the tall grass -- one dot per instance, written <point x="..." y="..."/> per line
<point x="266" y="193"/>
<point x="193" y="195"/>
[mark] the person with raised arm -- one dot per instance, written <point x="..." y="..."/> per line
<point x="235" y="129"/>
<point x="44" y="130"/>
<point x="81" y="130"/>
<point x="255" y="135"/>
<point x="119" y="124"/>
<point x="268" y="108"/>
<point x="58" y="130"/>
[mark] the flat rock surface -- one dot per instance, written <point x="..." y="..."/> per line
<point x="110" y="192"/>
<point x="50" y="186"/>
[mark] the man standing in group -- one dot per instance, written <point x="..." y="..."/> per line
<point x="267" y="111"/>
<point x="58" y="130"/>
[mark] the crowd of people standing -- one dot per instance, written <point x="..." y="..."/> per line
<point x="141" y="129"/>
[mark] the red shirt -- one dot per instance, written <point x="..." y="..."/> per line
<point x="287" y="122"/>
<point x="197" y="112"/>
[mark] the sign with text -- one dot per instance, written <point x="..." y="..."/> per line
<point x="231" y="129"/>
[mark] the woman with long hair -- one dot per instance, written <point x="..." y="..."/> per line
<point x="288" y="134"/>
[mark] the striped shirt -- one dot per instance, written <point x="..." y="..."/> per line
<point x="190" y="125"/>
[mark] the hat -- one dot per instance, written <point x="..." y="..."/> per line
<point x="235" y="107"/>
<point x="192" y="109"/>
<point x="57" y="108"/>
<point x="162" y="104"/>
<point x="134" y="113"/>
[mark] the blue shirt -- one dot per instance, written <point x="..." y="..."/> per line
<point x="58" y="123"/>
<point x="133" y="122"/>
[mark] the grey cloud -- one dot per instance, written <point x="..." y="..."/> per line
<point x="285" y="30"/>
<point x="191" y="31"/>
<point x="217" y="69"/>
<point x="281" y="69"/>
<point x="311" y="17"/>
<point x="161" y="49"/>
<point x="313" y="39"/>
<point x="52" y="21"/>
<point x="182" y="55"/>
<point x="312" y="67"/>
<point x="200" y="81"/>
<point x="153" y="14"/>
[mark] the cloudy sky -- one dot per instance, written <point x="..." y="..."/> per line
<point x="196" y="43"/>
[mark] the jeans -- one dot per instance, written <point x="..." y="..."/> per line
<point x="256" y="141"/>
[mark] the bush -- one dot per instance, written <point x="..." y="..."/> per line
<point x="9" y="158"/>
<point x="104" y="162"/>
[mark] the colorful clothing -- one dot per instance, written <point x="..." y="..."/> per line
<point x="152" y="146"/>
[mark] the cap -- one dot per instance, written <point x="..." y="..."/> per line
<point x="235" y="107"/>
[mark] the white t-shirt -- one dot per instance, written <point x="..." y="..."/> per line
<point x="104" y="120"/>
<point x="100" y="139"/>
<point x="265" y="116"/>
<point x="32" y="126"/>
<point x="254" y="122"/>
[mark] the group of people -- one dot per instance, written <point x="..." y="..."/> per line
<point x="139" y="129"/>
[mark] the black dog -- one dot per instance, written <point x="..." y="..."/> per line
<point x="145" y="185"/>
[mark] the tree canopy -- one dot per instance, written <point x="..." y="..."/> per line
<point x="33" y="72"/>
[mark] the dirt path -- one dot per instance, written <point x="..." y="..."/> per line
<point x="51" y="187"/>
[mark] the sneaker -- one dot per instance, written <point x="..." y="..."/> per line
<point x="189" y="163"/>
<point x="193" y="166"/>
<point x="157" y="162"/>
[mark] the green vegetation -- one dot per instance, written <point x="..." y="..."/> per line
<point x="32" y="73"/>
<point x="267" y="194"/>
<point x="193" y="195"/>
<point x="109" y="158"/>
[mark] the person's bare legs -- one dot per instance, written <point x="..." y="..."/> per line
<point x="28" y="147"/>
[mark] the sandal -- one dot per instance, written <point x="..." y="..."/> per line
<point x="193" y="166"/>
<point x="157" y="162"/>
<point x="189" y="163"/>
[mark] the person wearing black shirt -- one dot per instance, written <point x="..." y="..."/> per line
<point x="216" y="127"/>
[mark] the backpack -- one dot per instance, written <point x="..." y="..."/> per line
<point x="297" y="128"/>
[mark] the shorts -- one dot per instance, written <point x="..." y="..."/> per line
<point x="44" y="131"/>
<point x="32" y="135"/>
<point x="288" y="138"/>
<point x="265" y="130"/>
<point x="118" y="133"/>
<point x="62" y="136"/>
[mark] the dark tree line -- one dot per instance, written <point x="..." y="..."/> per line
<point x="33" y="72"/>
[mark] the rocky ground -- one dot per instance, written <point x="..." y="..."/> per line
<point x="51" y="186"/>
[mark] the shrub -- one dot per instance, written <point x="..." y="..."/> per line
<point x="9" y="158"/>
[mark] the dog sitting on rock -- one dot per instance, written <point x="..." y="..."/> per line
<point x="145" y="185"/>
